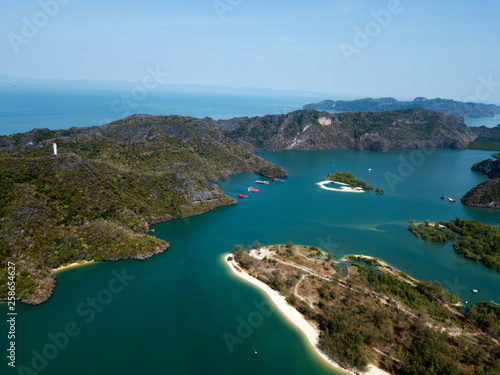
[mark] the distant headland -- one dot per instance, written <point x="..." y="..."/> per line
<point x="447" y="106"/>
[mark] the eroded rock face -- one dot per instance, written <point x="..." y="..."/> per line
<point x="325" y="121"/>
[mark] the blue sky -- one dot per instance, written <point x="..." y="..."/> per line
<point x="415" y="48"/>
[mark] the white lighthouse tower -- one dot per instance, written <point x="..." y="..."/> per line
<point x="55" y="149"/>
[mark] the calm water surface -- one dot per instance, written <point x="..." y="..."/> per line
<point x="489" y="122"/>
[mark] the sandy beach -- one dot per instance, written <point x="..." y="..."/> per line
<point x="343" y="187"/>
<point x="296" y="318"/>
<point x="80" y="263"/>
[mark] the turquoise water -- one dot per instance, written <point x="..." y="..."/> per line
<point x="174" y="316"/>
<point x="25" y="108"/>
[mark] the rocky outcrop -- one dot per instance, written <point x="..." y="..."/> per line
<point x="488" y="167"/>
<point x="487" y="193"/>
<point x="272" y="171"/>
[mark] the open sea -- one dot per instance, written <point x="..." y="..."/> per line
<point x="27" y="107"/>
<point x="175" y="310"/>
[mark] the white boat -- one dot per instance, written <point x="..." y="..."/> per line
<point x="262" y="182"/>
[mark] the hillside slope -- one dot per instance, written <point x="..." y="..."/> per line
<point x="97" y="197"/>
<point x="487" y="193"/>
<point x="377" y="131"/>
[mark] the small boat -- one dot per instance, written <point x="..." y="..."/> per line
<point x="152" y="230"/>
<point x="474" y="290"/>
<point x="252" y="190"/>
<point x="254" y="351"/>
<point x="278" y="179"/>
<point x="262" y="182"/>
<point x="241" y="195"/>
<point x="448" y="199"/>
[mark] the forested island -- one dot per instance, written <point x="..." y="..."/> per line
<point x="368" y="312"/>
<point x="487" y="193"/>
<point x="349" y="179"/>
<point x="475" y="240"/>
<point x="447" y="106"/>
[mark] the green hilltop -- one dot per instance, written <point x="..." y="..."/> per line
<point x="96" y="199"/>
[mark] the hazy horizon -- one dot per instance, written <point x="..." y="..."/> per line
<point x="180" y="87"/>
<point x="398" y="48"/>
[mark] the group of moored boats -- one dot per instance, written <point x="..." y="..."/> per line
<point x="251" y="189"/>
<point x="448" y="198"/>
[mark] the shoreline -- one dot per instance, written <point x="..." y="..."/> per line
<point x="344" y="187"/>
<point x="384" y="264"/>
<point x="344" y="259"/>
<point x="293" y="316"/>
<point x="71" y="265"/>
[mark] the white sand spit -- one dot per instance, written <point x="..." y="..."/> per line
<point x="343" y="187"/>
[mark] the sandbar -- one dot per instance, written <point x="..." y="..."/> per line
<point x="343" y="187"/>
